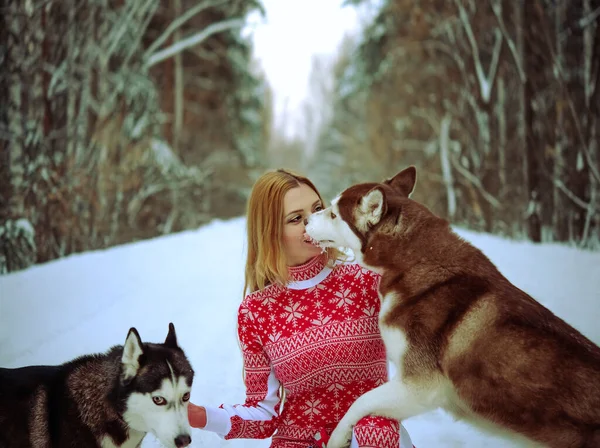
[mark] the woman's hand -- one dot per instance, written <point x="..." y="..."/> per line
<point x="196" y="416"/>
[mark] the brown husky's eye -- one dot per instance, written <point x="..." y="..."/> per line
<point x="159" y="401"/>
<point x="333" y="215"/>
<point x="186" y="396"/>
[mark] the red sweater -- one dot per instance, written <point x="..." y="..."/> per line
<point x="319" y="338"/>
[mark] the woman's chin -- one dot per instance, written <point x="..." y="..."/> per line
<point x="315" y="250"/>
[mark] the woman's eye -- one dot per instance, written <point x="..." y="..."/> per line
<point x="296" y="219"/>
<point x="318" y="208"/>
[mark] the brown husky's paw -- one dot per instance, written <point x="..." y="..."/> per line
<point x="340" y="437"/>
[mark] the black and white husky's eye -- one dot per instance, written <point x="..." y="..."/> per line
<point x="333" y="215"/>
<point x="159" y="401"/>
<point x="186" y="397"/>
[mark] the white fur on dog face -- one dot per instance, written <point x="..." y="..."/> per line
<point x="166" y="421"/>
<point x="329" y="229"/>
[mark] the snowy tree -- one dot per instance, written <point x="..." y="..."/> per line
<point x="495" y="101"/>
<point x="92" y="151"/>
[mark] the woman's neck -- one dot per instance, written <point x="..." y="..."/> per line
<point x="309" y="268"/>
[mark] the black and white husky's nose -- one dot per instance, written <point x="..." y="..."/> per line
<point x="182" y="440"/>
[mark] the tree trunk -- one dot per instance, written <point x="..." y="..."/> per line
<point x="17" y="235"/>
<point x="559" y="201"/>
<point x="577" y="178"/>
<point x="446" y="165"/>
<point x="178" y="88"/>
<point x="501" y="116"/>
<point x="16" y="149"/>
<point x="523" y="113"/>
<point x="534" y="145"/>
<point x="591" y="36"/>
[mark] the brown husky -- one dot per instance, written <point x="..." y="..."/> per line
<point x="461" y="336"/>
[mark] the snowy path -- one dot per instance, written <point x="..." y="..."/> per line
<point x="86" y="303"/>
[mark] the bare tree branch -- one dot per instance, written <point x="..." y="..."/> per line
<point x="496" y="8"/>
<point x="476" y="182"/>
<point x="486" y="82"/>
<point x="193" y="40"/>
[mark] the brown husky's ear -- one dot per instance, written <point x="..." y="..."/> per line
<point x="371" y="208"/>
<point x="404" y="182"/>
<point x="171" y="340"/>
<point x="133" y="350"/>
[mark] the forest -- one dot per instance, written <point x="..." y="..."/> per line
<point x="496" y="102"/>
<point x="122" y="120"/>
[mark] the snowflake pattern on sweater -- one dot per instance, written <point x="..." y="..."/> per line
<point x="319" y="338"/>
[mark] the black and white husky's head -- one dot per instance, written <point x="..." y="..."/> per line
<point x="156" y="380"/>
<point x="361" y="213"/>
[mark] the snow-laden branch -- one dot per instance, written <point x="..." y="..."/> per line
<point x="178" y="22"/>
<point x="486" y="82"/>
<point x="124" y="24"/>
<point x="476" y="182"/>
<point x="419" y="112"/>
<point x="193" y="40"/>
<point x="497" y="8"/>
<point x="586" y="21"/>
<point x="572" y="196"/>
<point x="450" y="51"/>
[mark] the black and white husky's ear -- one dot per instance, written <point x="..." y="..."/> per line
<point x="133" y="350"/>
<point x="371" y="208"/>
<point x="404" y="182"/>
<point x="171" y="340"/>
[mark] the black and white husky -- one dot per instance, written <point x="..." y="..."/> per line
<point x="102" y="401"/>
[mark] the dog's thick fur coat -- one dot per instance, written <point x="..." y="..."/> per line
<point x="99" y="401"/>
<point x="461" y="336"/>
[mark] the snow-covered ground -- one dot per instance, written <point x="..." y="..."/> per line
<point x="86" y="303"/>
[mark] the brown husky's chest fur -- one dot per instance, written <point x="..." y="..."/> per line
<point x="461" y="335"/>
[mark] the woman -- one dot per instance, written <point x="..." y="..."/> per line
<point x="308" y="331"/>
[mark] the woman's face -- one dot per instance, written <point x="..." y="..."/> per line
<point x="298" y="204"/>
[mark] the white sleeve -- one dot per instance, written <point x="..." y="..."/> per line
<point x="218" y="419"/>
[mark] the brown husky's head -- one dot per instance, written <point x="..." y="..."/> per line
<point x="363" y="209"/>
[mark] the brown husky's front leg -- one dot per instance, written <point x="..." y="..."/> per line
<point x="393" y="399"/>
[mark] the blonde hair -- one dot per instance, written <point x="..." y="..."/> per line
<point x="266" y="262"/>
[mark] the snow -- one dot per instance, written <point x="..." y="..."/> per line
<point x="86" y="303"/>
